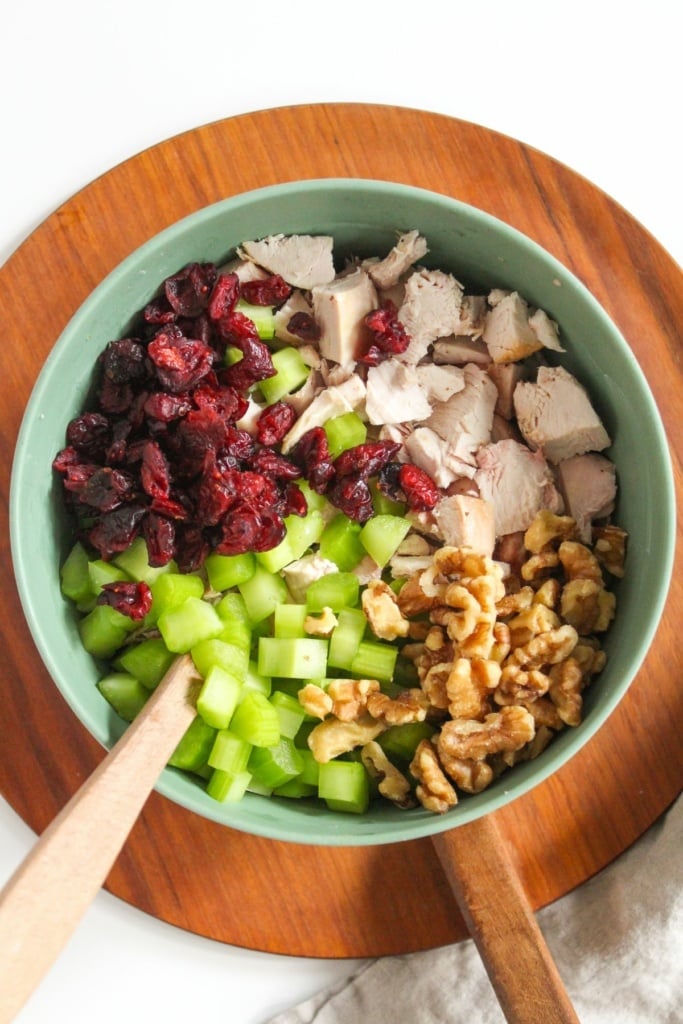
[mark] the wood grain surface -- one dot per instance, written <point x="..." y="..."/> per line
<point x="320" y="901"/>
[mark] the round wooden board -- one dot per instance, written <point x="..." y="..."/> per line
<point x="341" y="902"/>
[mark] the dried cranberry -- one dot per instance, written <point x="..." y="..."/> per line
<point x="260" y="491"/>
<point x="351" y="495"/>
<point x="169" y="507"/>
<point x="274" y="422"/>
<point x="115" y="531"/>
<point x="312" y="454"/>
<point x="154" y="471"/>
<point x="201" y="431"/>
<point x="106" y="489"/>
<point x="267" y="291"/>
<point x="420" y="490"/>
<point x="256" y="363"/>
<point x="388" y="481"/>
<point x="89" y="434"/>
<point x="159" y="311"/>
<point x="389" y="335"/>
<point x="180" y="362"/>
<point x="129" y="598"/>
<point x="266" y="461"/>
<point x="294" y="501"/>
<point x="365" y="459"/>
<point x="124" y="361"/>
<point x="225" y="400"/>
<point x="191" y="547"/>
<point x="225" y="294"/>
<point x="166" y="407"/>
<point x="115" y="399"/>
<point x="271" y="530"/>
<point x="159" y="534"/>
<point x="239" y="530"/>
<point x="303" y="326"/>
<point x="188" y="291"/>
<point x="238" y="443"/>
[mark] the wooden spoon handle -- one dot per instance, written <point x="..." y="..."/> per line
<point x="45" y="899"/>
<point x="500" y="920"/>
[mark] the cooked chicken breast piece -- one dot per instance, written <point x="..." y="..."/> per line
<point x="304" y="261"/>
<point x="555" y="414"/>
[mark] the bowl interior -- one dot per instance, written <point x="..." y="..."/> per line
<point x="363" y="217"/>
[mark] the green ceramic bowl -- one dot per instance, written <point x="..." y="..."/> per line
<point x="363" y="216"/>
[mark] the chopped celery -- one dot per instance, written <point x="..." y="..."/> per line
<point x="148" y="661"/>
<point x="335" y="590"/>
<point x="103" y="630"/>
<point x="340" y="543"/>
<point x="182" y="628"/>
<point x="384" y="505"/>
<point x="343" y="785"/>
<point x="217" y="652"/>
<point x="310" y="773"/>
<point x="290" y="713"/>
<point x="302" y="531"/>
<point x="292" y="658"/>
<point x="402" y="740"/>
<point x="256" y="720"/>
<point x="291" y="372"/>
<point x="263" y="318"/>
<point x="173" y="589"/>
<point x="218" y="696"/>
<point x="274" y="765"/>
<point x="192" y="753"/>
<point x="232" y="608"/>
<point x="289" y="619"/>
<point x="229" y="752"/>
<point x="228" y="787"/>
<point x="75" y="576"/>
<point x="345" y="431"/>
<point x="102" y="572"/>
<point x="135" y="562"/>
<point x="124" y="692"/>
<point x="262" y="593"/>
<point x="374" y="660"/>
<point x="346" y="637"/>
<point x="225" y="571"/>
<point x="296" y="789"/>
<point x="315" y="502"/>
<point x="254" y="681"/>
<point x="381" y="535"/>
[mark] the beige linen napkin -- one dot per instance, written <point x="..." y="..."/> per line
<point x="617" y="941"/>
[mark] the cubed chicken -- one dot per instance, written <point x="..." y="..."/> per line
<point x="506" y="377"/>
<point x="440" y="383"/>
<point x="465" y="419"/>
<point x="465" y="521"/>
<point x="458" y="350"/>
<point x="304" y="261"/>
<point x="244" y="269"/>
<point x="517" y="482"/>
<point x="300" y="574"/>
<point x="339" y="308"/>
<point x="385" y="273"/>
<point x="430" y="452"/>
<point x="546" y="330"/>
<point x="507" y="333"/>
<point x="430" y="310"/>
<point x="555" y="414"/>
<point x="345" y="397"/>
<point x="394" y="394"/>
<point x="589" y="486"/>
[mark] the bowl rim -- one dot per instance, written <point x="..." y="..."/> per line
<point x="558" y="754"/>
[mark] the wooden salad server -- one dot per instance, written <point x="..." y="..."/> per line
<point x="46" y="898"/>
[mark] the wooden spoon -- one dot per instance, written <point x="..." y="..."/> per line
<point x="45" y="899"/>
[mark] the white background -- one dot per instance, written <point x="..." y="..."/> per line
<point x="86" y="85"/>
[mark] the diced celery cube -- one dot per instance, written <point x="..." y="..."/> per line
<point x="229" y="752"/>
<point x="273" y="766"/>
<point x="184" y="627"/>
<point x="343" y="785"/>
<point x="124" y="692"/>
<point x="102" y="572"/>
<point x="296" y="789"/>
<point x="218" y="696"/>
<point x="225" y="571"/>
<point x="291" y="372"/>
<point x="345" y="431"/>
<point x="302" y="531"/>
<point x="262" y="593"/>
<point x="228" y="787"/>
<point x="232" y="608"/>
<point x="340" y="543"/>
<point x="383" y="505"/>
<point x="402" y="740"/>
<point x="256" y="720"/>
<point x="374" y="661"/>
<point x="103" y="630"/>
<point x="289" y="619"/>
<point x="75" y="575"/>
<point x="263" y="318"/>
<point x="172" y="589"/>
<point x="346" y="637"/>
<point x="254" y="681"/>
<point x="315" y="502"/>
<point x="335" y="590"/>
<point x="310" y="773"/>
<point x="192" y="753"/>
<point x="135" y="562"/>
<point x="290" y="713"/>
<point x="381" y="535"/>
<point x="148" y="661"/>
<point x="206" y="654"/>
<point x="292" y="658"/>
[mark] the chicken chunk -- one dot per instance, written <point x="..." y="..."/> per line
<point x="394" y="394"/>
<point x="517" y="482"/>
<point x="304" y="261"/>
<point x="507" y="333"/>
<point x="409" y="248"/>
<point x="339" y="308"/>
<point x="430" y="310"/>
<point x="465" y="521"/>
<point x="440" y="382"/>
<point x="432" y="453"/>
<point x="465" y="419"/>
<point x="555" y="415"/>
<point x="589" y="487"/>
<point x="300" y="574"/>
<point x="458" y="350"/>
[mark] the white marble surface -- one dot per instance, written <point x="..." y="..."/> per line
<point x="85" y="86"/>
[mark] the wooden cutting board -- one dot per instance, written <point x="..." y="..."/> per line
<point x="342" y="902"/>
